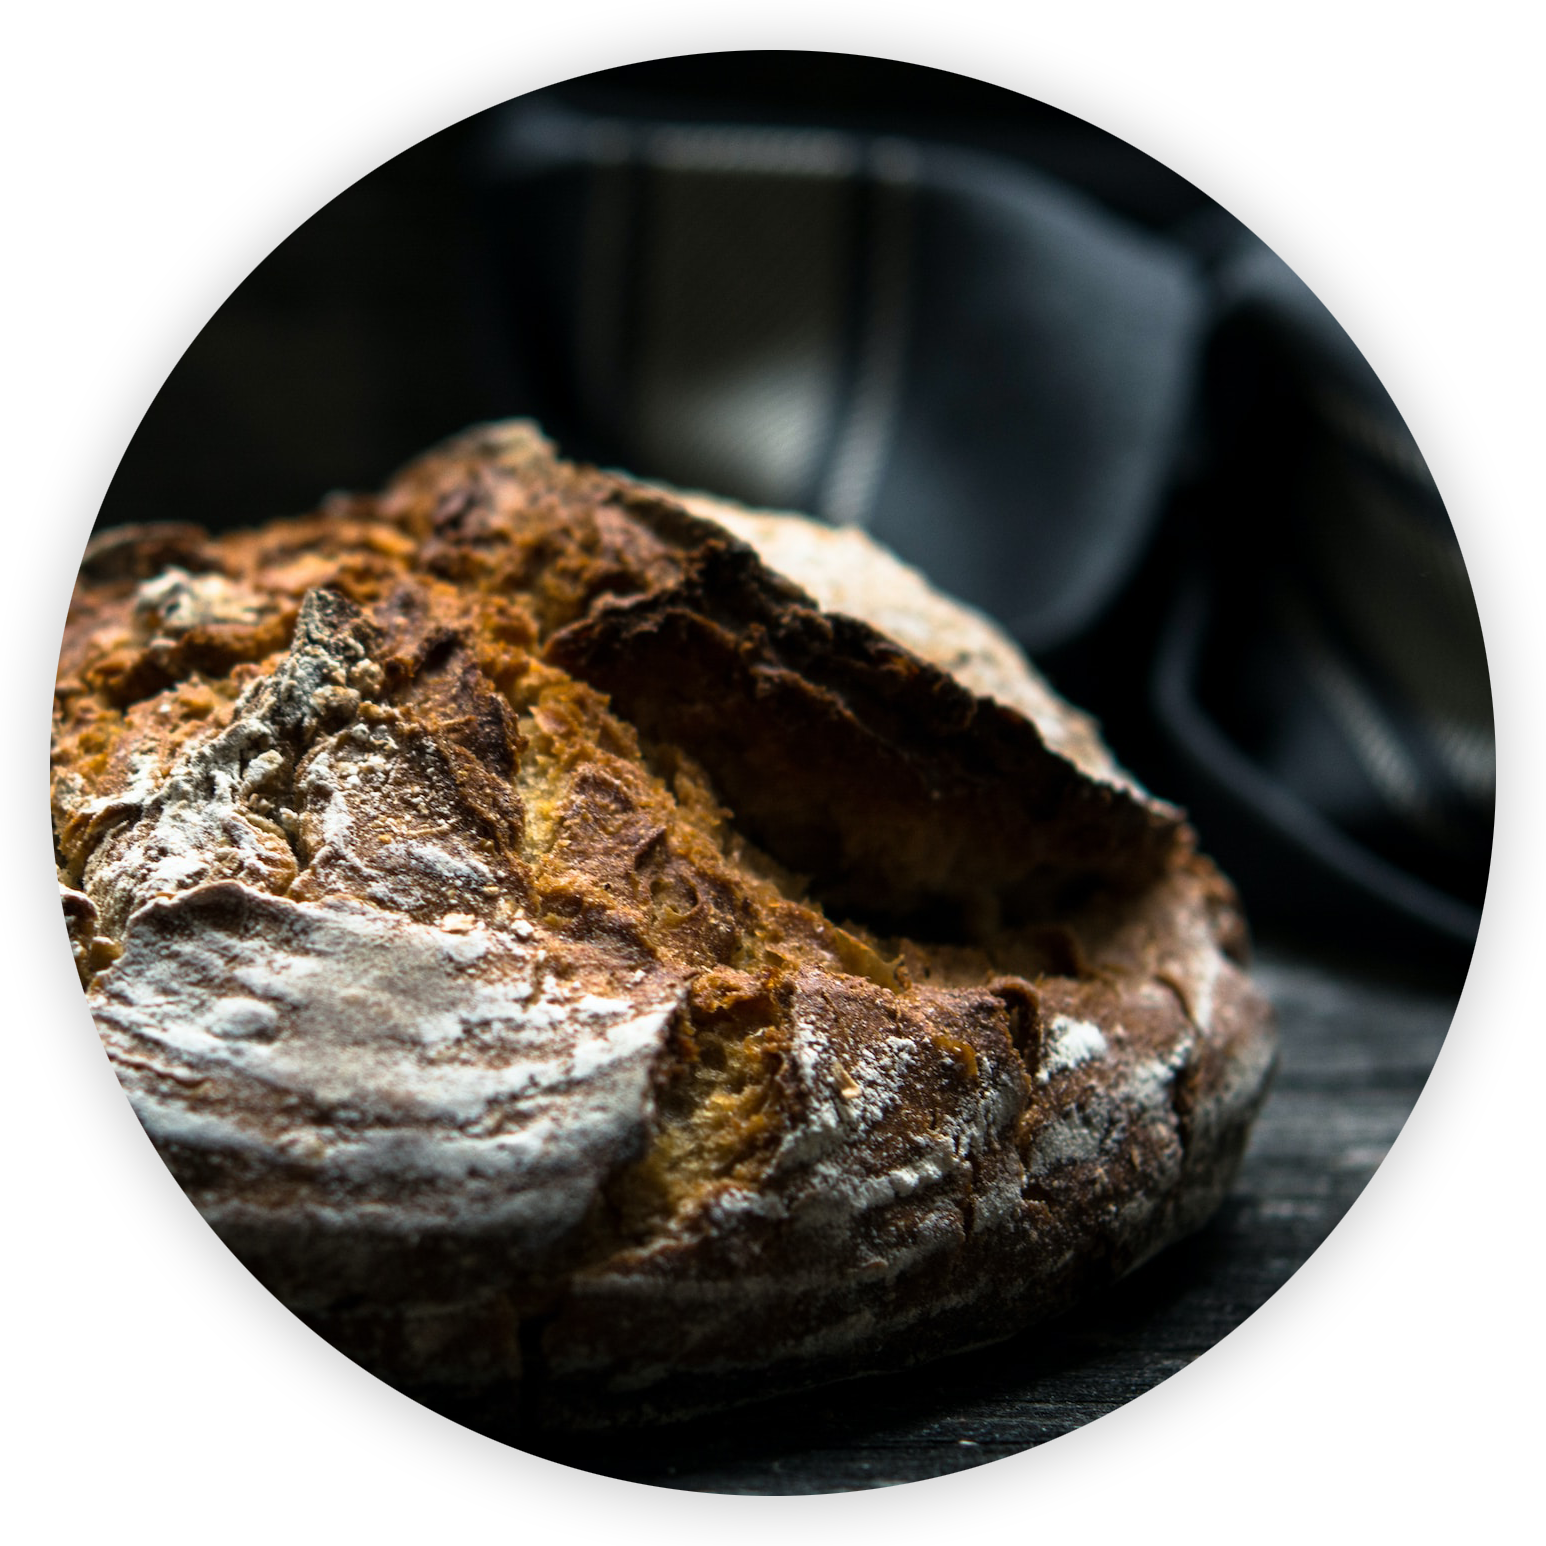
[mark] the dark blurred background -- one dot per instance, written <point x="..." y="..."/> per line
<point x="1341" y="773"/>
<point x="359" y="342"/>
<point x="370" y="334"/>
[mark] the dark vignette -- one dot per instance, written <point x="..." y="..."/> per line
<point x="1259" y="1351"/>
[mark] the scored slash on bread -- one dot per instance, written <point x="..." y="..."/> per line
<point x="570" y="936"/>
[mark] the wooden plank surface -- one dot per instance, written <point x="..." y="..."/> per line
<point x="1356" y="1048"/>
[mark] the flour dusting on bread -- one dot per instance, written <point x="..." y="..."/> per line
<point x="629" y="949"/>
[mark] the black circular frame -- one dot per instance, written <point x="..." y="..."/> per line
<point x="1256" y="1355"/>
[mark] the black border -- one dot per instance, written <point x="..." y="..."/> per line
<point x="1375" y="1229"/>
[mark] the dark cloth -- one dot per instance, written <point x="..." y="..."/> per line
<point x="1144" y="447"/>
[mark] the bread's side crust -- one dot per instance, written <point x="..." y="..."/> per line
<point x="447" y="872"/>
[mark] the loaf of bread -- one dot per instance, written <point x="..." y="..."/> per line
<point x="573" y="937"/>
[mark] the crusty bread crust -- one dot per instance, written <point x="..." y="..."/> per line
<point x="554" y="948"/>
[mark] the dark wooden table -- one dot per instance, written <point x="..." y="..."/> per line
<point x="1357" y="1045"/>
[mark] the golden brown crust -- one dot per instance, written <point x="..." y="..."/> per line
<point x="544" y="942"/>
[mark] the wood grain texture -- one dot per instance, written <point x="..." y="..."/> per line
<point x="1357" y="1047"/>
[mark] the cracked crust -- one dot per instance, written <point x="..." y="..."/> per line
<point x="556" y="951"/>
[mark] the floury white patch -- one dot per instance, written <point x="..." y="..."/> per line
<point x="1070" y="1042"/>
<point x="454" y="1065"/>
<point x="175" y="601"/>
<point x="208" y="819"/>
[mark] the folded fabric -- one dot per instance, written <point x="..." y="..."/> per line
<point x="1151" y="453"/>
<point x="1322" y="679"/>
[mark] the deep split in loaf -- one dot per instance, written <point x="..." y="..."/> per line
<point x="571" y="936"/>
